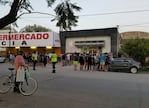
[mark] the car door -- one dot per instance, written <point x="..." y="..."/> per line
<point x="125" y="64"/>
<point x="116" y="64"/>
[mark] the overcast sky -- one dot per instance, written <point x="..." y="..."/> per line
<point x="129" y="15"/>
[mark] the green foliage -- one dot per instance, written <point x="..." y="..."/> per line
<point x="34" y="28"/>
<point x="22" y="5"/>
<point x="17" y="9"/>
<point x="137" y="49"/>
<point x="121" y="53"/>
<point x="25" y="5"/>
<point x="65" y="15"/>
<point x="50" y="2"/>
<point x="4" y="2"/>
<point x="64" y="12"/>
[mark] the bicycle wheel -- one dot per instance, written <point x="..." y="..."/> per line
<point x="28" y="87"/>
<point x="5" y="84"/>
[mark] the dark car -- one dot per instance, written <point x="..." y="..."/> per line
<point x="125" y="64"/>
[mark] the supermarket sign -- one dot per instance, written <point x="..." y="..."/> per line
<point x="38" y="39"/>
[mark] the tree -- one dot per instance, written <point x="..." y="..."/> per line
<point x="34" y="28"/>
<point x="17" y="9"/>
<point x="137" y="49"/>
<point x="20" y="7"/>
<point x="65" y="14"/>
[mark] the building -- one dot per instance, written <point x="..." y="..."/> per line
<point x="90" y="40"/>
<point x="134" y="35"/>
<point x="42" y="42"/>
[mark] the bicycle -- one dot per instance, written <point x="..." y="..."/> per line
<point x="26" y="88"/>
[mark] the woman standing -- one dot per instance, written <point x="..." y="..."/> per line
<point x="19" y="63"/>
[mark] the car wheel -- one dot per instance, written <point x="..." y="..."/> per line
<point x="133" y="69"/>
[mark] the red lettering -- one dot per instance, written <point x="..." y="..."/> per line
<point x="33" y="36"/>
<point x="39" y="36"/>
<point x="17" y="37"/>
<point x="21" y="36"/>
<point x="12" y="37"/>
<point x="5" y="37"/>
<point x="27" y="37"/>
<point x="45" y="36"/>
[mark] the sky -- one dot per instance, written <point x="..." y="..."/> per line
<point x="127" y="15"/>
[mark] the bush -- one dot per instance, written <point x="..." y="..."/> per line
<point x="137" y="49"/>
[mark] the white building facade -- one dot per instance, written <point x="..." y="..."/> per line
<point x="93" y="40"/>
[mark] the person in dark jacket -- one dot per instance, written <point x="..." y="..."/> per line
<point x="89" y="62"/>
<point x="81" y="61"/>
<point x="45" y="60"/>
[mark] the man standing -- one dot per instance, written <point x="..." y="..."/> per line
<point x="54" y="61"/>
<point x="34" y="59"/>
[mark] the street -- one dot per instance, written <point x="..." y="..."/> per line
<point x="75" y="89"/>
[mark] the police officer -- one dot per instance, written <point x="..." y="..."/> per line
<point x="54" y="61"/>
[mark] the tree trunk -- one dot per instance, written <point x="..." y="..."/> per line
<point x="11" y="16"/>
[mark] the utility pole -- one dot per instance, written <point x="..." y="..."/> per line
<point x="118" y="41"/>
<point x="10" y="40"/>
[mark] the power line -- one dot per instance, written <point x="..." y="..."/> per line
<point x="121" y="12"/>
<point x="137" y="24"/>
<point x="36" y="13"/>
<point x="108" y="13"/>
<point x="98" y="14"/>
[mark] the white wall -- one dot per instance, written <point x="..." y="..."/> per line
<point x="56" y="39"/>
<point x="70" y="43"/>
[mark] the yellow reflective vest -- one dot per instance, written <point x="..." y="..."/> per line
<point x="54" y="57"/>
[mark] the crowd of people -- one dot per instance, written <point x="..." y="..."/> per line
<point x="32" y="58"/>
<point x="80" y="61"/>
<point x="87" y="61"/>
